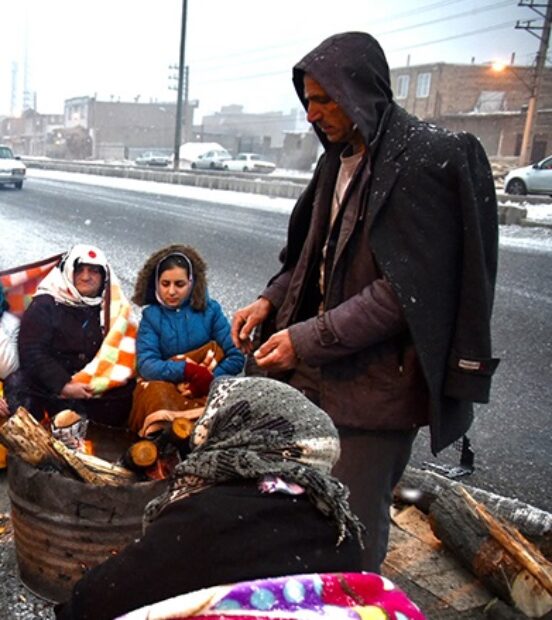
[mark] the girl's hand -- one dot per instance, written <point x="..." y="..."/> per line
<point x="208" y="361"/>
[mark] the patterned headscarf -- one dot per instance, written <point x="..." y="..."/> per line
<point x="254" y="427"/>
<point x="59" y="282"/>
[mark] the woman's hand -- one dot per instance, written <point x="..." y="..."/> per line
<point x="4" y="411"/>
<point x="76" y="390"/>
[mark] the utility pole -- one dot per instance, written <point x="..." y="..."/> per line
<point x="178" y="129"/>
<point x="544" y="37"/>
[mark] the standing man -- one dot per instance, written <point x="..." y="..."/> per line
<point x="381" y="310"/>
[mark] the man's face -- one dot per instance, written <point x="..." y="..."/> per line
<point x="88" y="279"/>
<point x="326" y="113"/>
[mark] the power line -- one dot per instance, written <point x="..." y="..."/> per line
<point x="456" y="36"/>
<point x="491" y="7"/>
<point x="257" y="59"/>
<point x="425" y="43"/>
<point x="290" y="44"/>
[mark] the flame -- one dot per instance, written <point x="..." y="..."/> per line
<point x="87" y="447"/>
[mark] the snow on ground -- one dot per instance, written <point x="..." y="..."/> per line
<point x="537" y="238"/>
<point x="241" y="199"/>
<point x="541" y="213"/>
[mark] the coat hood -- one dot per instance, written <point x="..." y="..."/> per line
<point x="353" y="70"/>
<point x="144" y="290"/>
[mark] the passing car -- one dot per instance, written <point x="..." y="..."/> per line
<point x="249" y="162"/>
<point x="152" y="158"/>
<point x="534" y="179"/>
<point x="12" y="169"/>
<point x="212" y="160"/>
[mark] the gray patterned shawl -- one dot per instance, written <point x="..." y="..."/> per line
<point x="254" y="427"/>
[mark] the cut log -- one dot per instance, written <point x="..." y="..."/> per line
<point x="22" y="435"/>
<point x="422" y="488"/>
<point x="92" y="469"/>
<point x="507" y="563"/>
<point x="29" y="440"/>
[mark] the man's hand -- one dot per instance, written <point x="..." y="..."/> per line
<point x="76" y="390"/>
<point x="277" y="353"/>
<point x="246" y="319"/>
<point x="4" y="411"/>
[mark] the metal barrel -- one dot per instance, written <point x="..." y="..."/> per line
<point x="63" y="527"/>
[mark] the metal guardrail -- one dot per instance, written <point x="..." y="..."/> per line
<point x="510" y="207"/>
<point x="278" y="187"/>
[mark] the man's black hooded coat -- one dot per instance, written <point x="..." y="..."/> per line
<point x="420" y="213"/>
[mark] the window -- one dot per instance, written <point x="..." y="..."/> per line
<point x="423" y="84"/>
<point x="403" y="82"/>
<point x="490" y="101"/>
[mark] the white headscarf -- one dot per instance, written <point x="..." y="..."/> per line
<point x="59" y="282"/>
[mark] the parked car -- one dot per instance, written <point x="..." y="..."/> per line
<point x="249" y="162"/>
<point x="152" y="158"/>
<point x="12" y="169"/>
<point x="213" y="160"/>
<point x="535" y="179"/>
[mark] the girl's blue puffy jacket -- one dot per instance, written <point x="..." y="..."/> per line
<point x="165" y="332"/>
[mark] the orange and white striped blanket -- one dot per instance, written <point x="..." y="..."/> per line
<point x="115" y="362"/>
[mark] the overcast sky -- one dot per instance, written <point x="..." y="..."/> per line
<point x="238" y="51"/>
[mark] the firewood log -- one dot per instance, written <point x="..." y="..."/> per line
<point x="422" y="488"/>
<point x="93" y="469"/>
<point x="507" y="563"/>
<point x="29" y="440"/>
<point x="21" y="434"/>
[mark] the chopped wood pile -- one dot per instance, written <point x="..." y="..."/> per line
<point x="23" y="436"/>
<point x="505" y="544"/>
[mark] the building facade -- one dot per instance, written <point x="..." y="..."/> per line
<point x="126" y="129"/>
<point x="240" y="131"/>
<point x="475" y="98"/>
<point x="28" y="134"/>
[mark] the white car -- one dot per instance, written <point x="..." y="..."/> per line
<point x="153" y="158"/>
<point x="534" y="179"/>
<point x="212" y="160"/>
<point x="12" y="169"/>
<point x="249" y="162"/>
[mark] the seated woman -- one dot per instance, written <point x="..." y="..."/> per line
<point x="253" y="499"/>
<point x="184" y="338"/>
<point x="61" y="335"/>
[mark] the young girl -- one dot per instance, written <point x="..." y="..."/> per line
<point x="184" y="338"/>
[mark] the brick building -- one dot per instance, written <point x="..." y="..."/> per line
<point x="477" y="99"/>
<point x="126" y="129"/>
<point x="27" y="134"/>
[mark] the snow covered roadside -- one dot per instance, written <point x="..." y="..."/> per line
<point x="242" y="199"/>
<point x="536" y="238"/>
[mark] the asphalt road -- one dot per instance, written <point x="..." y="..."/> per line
<point x="511" y="437"/>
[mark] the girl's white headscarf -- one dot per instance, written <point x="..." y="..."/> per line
<point x="59" y="282"/>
